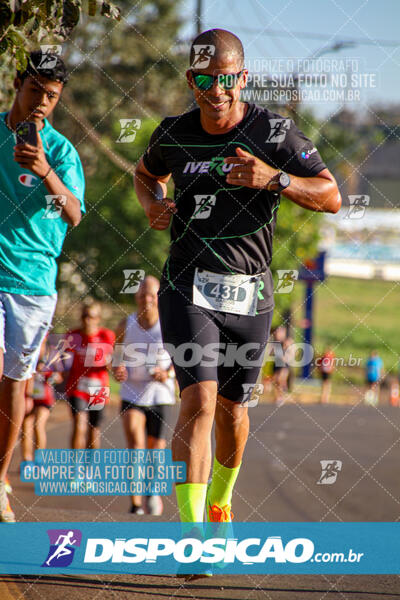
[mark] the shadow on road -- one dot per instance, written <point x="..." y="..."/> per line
<point x="164" y="585"/>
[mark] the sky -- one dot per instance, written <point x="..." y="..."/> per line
<point x="372" y="70"/>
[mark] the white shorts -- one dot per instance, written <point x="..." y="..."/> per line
<point x="24" y="322"/>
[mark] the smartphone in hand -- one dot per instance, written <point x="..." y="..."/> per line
<point x="26" y="133"/>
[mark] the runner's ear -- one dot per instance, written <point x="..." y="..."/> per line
<point x="189" y="78"/>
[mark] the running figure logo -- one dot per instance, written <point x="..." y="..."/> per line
<point x="204" y="204"/>
<point x="98" y="396"/>
<point x="251" y="394"/>
<point x="286" y="279"/>
<point x="202" y="56"/>
<point x="133" y="277"/>
<point x="60" y="351"/>
<point x="63" y="543"/>
<point x="54" y="206"/>
<point x="48" y="60"/>
<point x="330" y="471"/>
<point x="357" y="206"/>
<point x="279" y="129"/>
<point x="129" y="129"/>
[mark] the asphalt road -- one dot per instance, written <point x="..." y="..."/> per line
<point x="278" y="483"/>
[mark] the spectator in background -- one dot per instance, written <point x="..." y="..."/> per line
<point x="42" y="188"/>
<point x="40" y="399"/>
<point x="326" y="364"/>
<point x="87" y="385"/>
<point x="289" y="352"/>
<point x="281" y="368"/>
<point x="145" y="389"/>
<point x="374" y="375"/>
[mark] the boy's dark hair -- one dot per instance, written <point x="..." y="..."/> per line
<point x="47" y="64"/>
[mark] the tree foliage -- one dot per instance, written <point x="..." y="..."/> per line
<point x="114" y="235"/>
<point x="126" y="70"/>
<point x="24" y="24"/>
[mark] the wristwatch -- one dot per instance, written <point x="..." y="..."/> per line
<point x="279" y="182"/>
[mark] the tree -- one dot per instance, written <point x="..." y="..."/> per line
<point x="121" y="67"/>
<point x="24" y="24"/>
<point x="130" y="71"/>
<point x="113" y="236"/>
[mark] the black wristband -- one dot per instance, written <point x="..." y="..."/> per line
<point x="47" y="174"/>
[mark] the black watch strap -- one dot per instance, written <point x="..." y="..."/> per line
<point x="280" y="182"/>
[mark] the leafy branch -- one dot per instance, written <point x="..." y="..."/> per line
<point x="24" y="23"/>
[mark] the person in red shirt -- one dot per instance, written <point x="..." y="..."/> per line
<point x="87" y="386"/>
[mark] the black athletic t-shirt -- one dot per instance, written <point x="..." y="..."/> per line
<point x="220" y="227"/>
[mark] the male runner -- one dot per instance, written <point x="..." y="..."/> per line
<point x="41" y="189"/>
<point x="229" y="161"/>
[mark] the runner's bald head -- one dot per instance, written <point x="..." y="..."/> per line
<point x="225" y="45"/>
<point x="146" y="296"/>
<point x="150" y="281"/>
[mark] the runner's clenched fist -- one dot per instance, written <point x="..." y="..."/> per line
<point x="160" y="212"/>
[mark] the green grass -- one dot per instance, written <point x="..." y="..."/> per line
<point x="355" y="317"/>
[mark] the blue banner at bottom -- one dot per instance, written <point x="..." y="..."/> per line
<point x="227" y="548"/>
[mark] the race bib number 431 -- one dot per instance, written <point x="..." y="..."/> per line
<point x="226" y="293"/>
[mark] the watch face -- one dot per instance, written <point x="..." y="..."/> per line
<point x="284" y="180"/>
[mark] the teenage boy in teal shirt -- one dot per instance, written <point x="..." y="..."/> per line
<point x="41" y="193"/>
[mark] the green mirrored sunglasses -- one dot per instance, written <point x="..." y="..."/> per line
<point x="227" y="81"/>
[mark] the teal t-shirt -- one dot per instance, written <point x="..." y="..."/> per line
<point x="31" y="233"/>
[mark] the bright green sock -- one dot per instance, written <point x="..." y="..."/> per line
<point x="191" y="499"/>
<point x="221" y="486"/>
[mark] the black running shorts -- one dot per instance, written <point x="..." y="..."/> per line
<point x="211" y="345"/>
<point x="78" y="404"/>
<point x="155" y="418"/>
